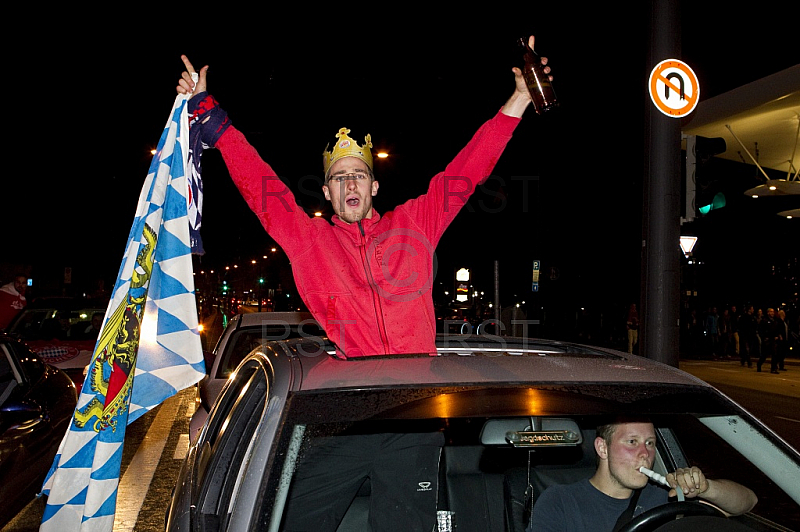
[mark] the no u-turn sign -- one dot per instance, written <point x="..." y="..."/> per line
<point x="674" y="88"/>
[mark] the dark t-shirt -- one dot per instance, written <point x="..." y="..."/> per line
<point x="581" y="507"/>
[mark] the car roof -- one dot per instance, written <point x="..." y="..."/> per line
<point x="255" y="319"/>
<point x="517" y="361"/>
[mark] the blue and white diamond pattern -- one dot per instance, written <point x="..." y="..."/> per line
<point x="81" y="486"/>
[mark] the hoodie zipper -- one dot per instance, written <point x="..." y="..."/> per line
<point x="376" y="300"/>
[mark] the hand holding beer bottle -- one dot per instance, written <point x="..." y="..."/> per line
<point x="537" y="77"/>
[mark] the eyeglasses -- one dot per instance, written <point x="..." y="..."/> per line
<point x="341" y="178"/>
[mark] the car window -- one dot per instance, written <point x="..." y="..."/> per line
<point x="6" y="371"/>
<point x="19" y="369"/>
<point x="50" y="323"/>
<point x="246" y="339"/>
<point x="26" y="366"/>
<point x="29" y="324"/>
<point x="477" y="485"/>
<point x="240" y="344"/>
<point x="33" y="366"/>
<point x="9" y="377"/>
<point x="718" y="459"/>
<point x="482" y="484"/>
<point x="225" y="442"/>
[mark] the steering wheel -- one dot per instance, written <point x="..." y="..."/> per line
<point x="655" y="517"/>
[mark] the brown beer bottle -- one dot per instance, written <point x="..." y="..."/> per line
<point x="542" y="93"/>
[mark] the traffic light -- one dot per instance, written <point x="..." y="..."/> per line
<point x="703" y="190"/>
<point x="716" y="202"/>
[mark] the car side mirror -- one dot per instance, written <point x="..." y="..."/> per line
<point x="17" y="415"/>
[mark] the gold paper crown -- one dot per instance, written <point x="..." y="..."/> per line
<point x="347" y="147"/>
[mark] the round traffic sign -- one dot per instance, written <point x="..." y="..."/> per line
<point x="674" y="88"/>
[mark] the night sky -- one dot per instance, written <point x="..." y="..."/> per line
<point x="88" y="96"/>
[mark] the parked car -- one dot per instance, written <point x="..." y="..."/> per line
<point x="37" y="402"/>
<point x="244" y="333"/>
<point x="499" y="403"/>
<point x="59" y="330"/>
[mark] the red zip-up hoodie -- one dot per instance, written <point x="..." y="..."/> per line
<point x="369" y="283"/>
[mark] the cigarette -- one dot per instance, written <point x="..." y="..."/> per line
<point x="655" y="476"/>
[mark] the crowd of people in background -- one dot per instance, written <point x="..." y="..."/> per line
<point x="750" y="335"/>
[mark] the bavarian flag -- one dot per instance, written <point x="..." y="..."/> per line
<point x="149" y="347"/>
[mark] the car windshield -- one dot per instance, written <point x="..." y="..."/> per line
<point x="482" y="478"/>
<point x="55" y="322"/>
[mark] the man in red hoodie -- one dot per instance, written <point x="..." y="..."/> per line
<point x="366" y="277"/>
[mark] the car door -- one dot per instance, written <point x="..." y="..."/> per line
<point x="226" y="464"/>
<point x="34" y="412"/>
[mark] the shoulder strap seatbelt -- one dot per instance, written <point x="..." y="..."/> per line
<point x="628" y="513"/>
